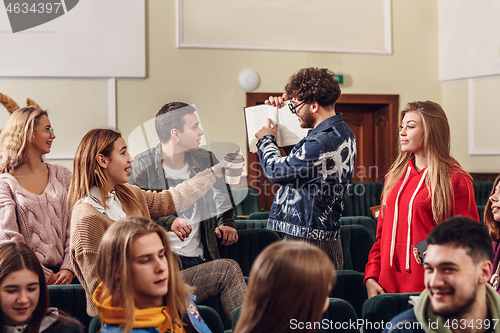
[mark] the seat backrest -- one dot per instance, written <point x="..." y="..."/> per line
<point x="356" y="244"/>
<point x="482" y="190"/>
<point x="366" y="221"/>
<point x="71" y="299"/>
<point x="480" y="211"/>
<point x="258" y="216"/>
<point x="250" y="224"/>
<point x="350" y="287"/>
<point x="383" y="307"/>
<point x="360" y="197"/>
<point x="95" y="325"/>
<point x="339" y="311"/>
<point x="209" y="315"/>
<point x="211" y="318"/>
<point x="340" y="317"/>
<point x="250" y="243"/>
<point x="250" y="204"/>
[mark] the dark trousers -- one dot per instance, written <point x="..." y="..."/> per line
<point x="188" y="262"/>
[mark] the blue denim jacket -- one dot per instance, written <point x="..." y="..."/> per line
<point x="313" y="179"/>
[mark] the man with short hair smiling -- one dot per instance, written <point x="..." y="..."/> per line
<point x="457" y="297"/>
<point x="176" y="158"/>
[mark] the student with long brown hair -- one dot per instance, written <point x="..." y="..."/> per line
<point x="33" y="193"/>
<point x="492" y="222"/>
<point x="24" y="298"/>
<point x="100" y="195"/>
<point x="141" y="283"/>
<point x="289" y="281"/>
<point x="423" y="187"/>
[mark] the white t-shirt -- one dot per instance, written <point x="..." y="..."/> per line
<point x="113" y="208"/>
<point x="192" y="246"/>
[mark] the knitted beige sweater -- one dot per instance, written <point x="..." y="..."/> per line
<point x="88" y="225"/>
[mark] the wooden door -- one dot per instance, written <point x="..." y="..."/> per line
<point x="373" y="120"/>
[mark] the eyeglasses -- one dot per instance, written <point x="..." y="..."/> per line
<point x="50" y="130"/>
<point x="294" y="108"/>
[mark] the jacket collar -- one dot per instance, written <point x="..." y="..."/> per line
<point x="190" y="159"/>
<point x="327" y="123"/>
<point x="425" y="315"/>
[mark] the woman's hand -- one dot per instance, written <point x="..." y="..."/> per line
<point x="373" y="288"/>
<point x="64" y="276"/>
<point x="181" y="228"/>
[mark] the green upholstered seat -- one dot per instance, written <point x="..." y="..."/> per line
<point x="71" y="299"/>
<point x="368" y="222"/>
<point x="384" y="307"/>
<point x="250" y="243"/>
<point x="339" y="311"/>
<point x="209" y="315"/>
<point x="480" y="211"/>
<point x="236" y="315"/>
<point x="211" y="318"/>
<point x="95" y="325"/>
<point x="349" y="286"/>
<point x="250" y="224"/>
<point x="360" y="197"/>
<point x="248" y="200"/>
<point x="356" y="239"/>
<point x="247" y="248"/>
<point x="482" y="190"/>
<point x="258" y="216"/>
<point x="339" y="315"/>
<point x="356" y="243"/>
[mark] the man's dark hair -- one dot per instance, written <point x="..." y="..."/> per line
<point x="314" y="85"/>
<point x="166" y="120"/>
<point x="462" y="231"/>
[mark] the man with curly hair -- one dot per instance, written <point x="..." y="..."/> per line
<point x="316" y="173"/>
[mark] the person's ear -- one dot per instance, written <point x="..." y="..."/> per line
<point x="174" y="134"/>
<point x="102" y="161"/>
<point x="486" y="269"/>
<point x="314" y="107"/>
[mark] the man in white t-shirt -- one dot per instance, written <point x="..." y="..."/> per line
<point x="176" y="158"/>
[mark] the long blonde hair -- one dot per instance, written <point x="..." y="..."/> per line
<point x="492" y="225"/>
<point x="87" y="172"/>
<point x="19" y="127"/>
<point x="113" y="258"/>
<point x="437" y="152"/>
<point x="288" y="280"/>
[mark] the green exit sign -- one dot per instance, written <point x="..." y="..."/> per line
<point x="339" y="78"/>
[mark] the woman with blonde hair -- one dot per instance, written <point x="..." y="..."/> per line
<point x="288" y="281"/>
<point x="423" y="187"/>
<point x="24" y="298"/>
<point x="33" y="193"/>
<point x="100" y="195"/>
<point x="492" y="222"/>
<point x="141" y="283"/>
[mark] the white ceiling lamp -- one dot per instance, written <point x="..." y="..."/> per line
<point x="249" y="80"/>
